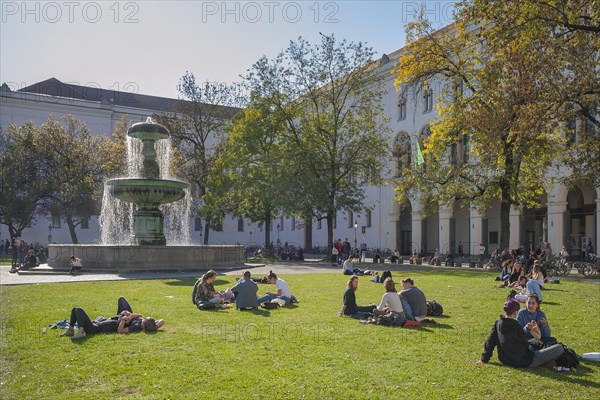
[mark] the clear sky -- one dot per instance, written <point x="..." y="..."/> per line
<point x="146" y="46"/>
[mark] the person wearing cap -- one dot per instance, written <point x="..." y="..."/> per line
<point x="245" y="293"/>
<point x="513" y="347"/>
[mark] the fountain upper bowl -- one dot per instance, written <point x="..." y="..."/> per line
<point x="148" y="131"/>
<point x="147" y="191"/>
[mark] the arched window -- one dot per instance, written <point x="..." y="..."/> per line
<point x="401" y="108"/>
<point x="240" y="224"/>
<point x="401" y="152"/>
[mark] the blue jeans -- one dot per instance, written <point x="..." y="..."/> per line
<point x="407" y="309"/>
<point x="269" y="297"/>
<point x="533" y="286"/>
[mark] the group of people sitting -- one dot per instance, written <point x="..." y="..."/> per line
<point x="244" y="292"/>
<point x="395" y="308"/>
<point x="522" y="337"/>
<point x="513" y="276"/>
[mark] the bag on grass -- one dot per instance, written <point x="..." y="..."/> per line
<point x="270" y="306"/>
<point x="434" y="308"/>
<point x="205" y="305"/>
<point x="569" y="358"/>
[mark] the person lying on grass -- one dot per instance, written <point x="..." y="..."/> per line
<point x="125" y="322"/>
<point x="349" y="306"/>
<point x="513" y="347"/>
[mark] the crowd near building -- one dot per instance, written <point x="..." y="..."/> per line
<point x="567" y="216"/>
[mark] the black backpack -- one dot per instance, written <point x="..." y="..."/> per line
<point x="569" y="358"/>
<point x="386" y="274"/>
<point x="434" y="308"/>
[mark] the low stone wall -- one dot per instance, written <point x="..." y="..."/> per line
<point x="128" y="259"/>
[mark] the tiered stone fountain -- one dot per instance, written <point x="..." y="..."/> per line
<point x="148" y="249"/>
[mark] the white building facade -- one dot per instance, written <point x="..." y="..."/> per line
<point x="566" y="216"/>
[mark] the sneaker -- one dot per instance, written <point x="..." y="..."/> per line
<point x="78" y="335"/>
<point x="68" y="332"/>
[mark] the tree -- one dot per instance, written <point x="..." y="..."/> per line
<point x="197" y="126"/>
<point x="330" y="97"/>
<point x="22" y="185"/>
<point x="249" y="178"/>
<point x="564" y="36"/>
<point x="503" y="118"/>
<point x="71" y="163"/>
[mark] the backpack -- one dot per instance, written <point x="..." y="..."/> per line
<point x="434" y="308"/>
<point x="569" y="358"/>
<point x="386" y="274"/>
<point x="511" y="294"/>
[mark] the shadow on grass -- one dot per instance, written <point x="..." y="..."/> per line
<point x="572" y="376"/>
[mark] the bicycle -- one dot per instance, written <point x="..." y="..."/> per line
<point x="563" y="266"/>
<point x="590" y="267"/>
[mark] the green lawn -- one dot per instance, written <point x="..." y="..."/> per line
<point x="301" y="351"/>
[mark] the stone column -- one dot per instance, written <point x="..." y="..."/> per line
<point x="446" y="214"/>
<point x="556" y="224"/>
<point x="476" y="231"/>
<point x="597" y="233"/>
<point x="515" y="228"/>
<point x="417" y="231"/>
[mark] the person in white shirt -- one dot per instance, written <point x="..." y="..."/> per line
<point x="75" y="265"/>
<point x="389" y="311"/>
<point x="283" y="290"/>
<point x="349" y="267"/>
<point x="481" y="251"/>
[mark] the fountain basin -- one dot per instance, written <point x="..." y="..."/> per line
<point x="147" y="191"/>
<point x="130" y="259"/>
<point x="148" y="131"/>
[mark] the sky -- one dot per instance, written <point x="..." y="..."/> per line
<point x="146" y="46"/>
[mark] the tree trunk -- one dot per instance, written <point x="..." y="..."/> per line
<point x="329" y="231"/>
<point x="206" y="231"/>
<point x="71" y="225"/>
<point x="308" y="234"/>
<point x="267" y="219"/>
<point x="504" y="223"/>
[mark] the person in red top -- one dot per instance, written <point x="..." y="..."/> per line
<point x="338" y="246"/>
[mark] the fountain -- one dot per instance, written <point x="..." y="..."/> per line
<point x="147" y="248"/>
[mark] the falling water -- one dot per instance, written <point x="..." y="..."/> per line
<point x="116" y="218"/>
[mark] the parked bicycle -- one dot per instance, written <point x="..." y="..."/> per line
<point x="589" y="267"/>
<point x="560" y="267"/>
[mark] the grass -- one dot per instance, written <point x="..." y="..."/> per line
<point x="301" y="351"/>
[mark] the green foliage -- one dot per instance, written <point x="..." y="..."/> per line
<point x="300" y="351"/>
<point x="197" y="126"/>
<point x="330" y="96"/>
<point x="22" y="184"/>
<point x="506" y="79"/>
<point x="249" y="176"/>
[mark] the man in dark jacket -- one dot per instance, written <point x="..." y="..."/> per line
<point x="245" y="293"/>
<point x="513" y="346"/>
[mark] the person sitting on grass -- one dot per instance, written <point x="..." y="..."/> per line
<point x="513" y="346"/>
<point x="125" y="322"/>
<point x="206" y="291"/>
<point x="75" y="265"/>
<point x="349" y="267"/>
<point x="245" y="293"/>
<point x="389" y="311"/>
<point x="283" y="290"/>
<point x="529" y="286"/>
<point x="349" y="306"/>
<point x="531" y="317"/>
<point x="414" y="302"/>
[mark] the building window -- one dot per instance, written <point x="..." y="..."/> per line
<point x="334" y="221"/>
<point x="494" y="237"/>
<point x="293" y="223"/>
<point x="572" y="131"/>
<point x="427" y="100"/>
<point x="401" y="108"/>
<point x="260" y="226"/>
<point x="240" y="224"/>
<point x="55" y="221"/>
<point x="319" y="224"/>
<point x="368" y="217"/>
<point x="350" y="219"/>
<point x="85" y="223"/>
<point x="197" y="224"/>
<point x="281" y="223"/>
